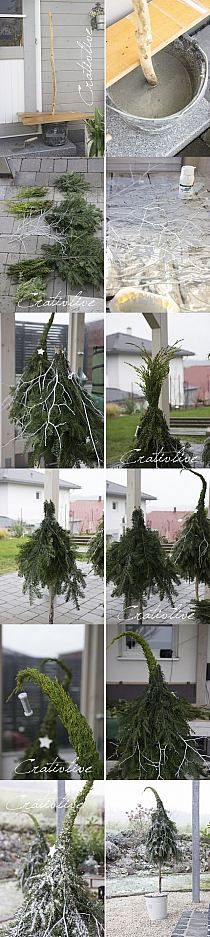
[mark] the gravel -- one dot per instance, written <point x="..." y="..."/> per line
<point x="129" y="916"/>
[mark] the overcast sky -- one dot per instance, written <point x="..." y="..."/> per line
<point x="122" y="797"/>
<point x="91" y="482"/>
<point x="191" y="331"/>
<point x="43" y="641"/>
<point x="171" y="487"/>
<point x="60" y="317"/>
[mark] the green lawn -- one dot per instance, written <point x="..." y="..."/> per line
<point x="9" y="550"/>
<point x="193" y="412"/>
<point x="120" y="431"/>
<point x="8" y="554"/>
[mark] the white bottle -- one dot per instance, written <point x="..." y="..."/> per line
<point x="186" y="182"/>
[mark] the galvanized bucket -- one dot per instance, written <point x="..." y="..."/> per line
<point x="190" y="57"/>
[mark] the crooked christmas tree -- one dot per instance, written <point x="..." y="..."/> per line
<point x="191" y="551"/>
<point x="43" y="754"/>
<point x="155" y="446"/>
<point x="139" y="566"/>
<point x="79" y="733"/>
<point x="58" y="902"/>
<point x="161" y="839"/>
<point x="95" y="551"/>
<point x="48" y="558"/>
<point x="54" y="413"/>
<point x="154" y="736"/>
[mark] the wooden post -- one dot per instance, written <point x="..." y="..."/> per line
<point x="196" y="841"/>
<point x="158" y="322"/>
<point x="51" y="493"/>
<point x="133" y="492"/>
<point x="61" y="792"/>
<point x="202" y="648"/>
<point x="7" y="373"/>
<point x="92" y="687"/>
<point x="76" y="331"/>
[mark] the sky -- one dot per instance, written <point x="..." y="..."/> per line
<point x="60" y="317"/>
<point x="43" y="641"/>
<point x="191" y="331"/>
<point x="122" y="797"/>
<point x="172" y="488"/>
<point x="91" y="482"/>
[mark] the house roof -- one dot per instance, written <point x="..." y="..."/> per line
<point x="120" y="491"/>
<point x="121" y="343"/>
<point x="30" y="477"/>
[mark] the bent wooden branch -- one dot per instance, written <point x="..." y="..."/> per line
<point x="144" y="40"/>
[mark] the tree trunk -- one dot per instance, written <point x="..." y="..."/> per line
<point x="196" y="589"/>
<point x="144" y="40"/>
<point x="51" y="605"/>
<point x="160" y="877"/>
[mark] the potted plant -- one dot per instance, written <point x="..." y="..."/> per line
<point x="94" y="134"/>
<point x="161" y="843"/>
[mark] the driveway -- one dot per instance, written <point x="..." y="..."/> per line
<point x="15" y="607"/>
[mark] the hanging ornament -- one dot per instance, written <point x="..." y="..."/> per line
<point x="23" y="697"/>
<point x="45" y="742"/>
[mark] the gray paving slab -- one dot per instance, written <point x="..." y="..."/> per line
<point x="15" y="608"/>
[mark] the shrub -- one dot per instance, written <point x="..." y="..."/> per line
<point x="4" y="534"/>
<point x="112" y="409"/>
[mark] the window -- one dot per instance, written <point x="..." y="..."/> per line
<point x="114" y="505"/>
<point x="161" y="638"/>
<point x="37" y="495"/>
<point x="11" y="23"/>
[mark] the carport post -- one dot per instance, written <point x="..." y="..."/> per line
<point x="76" y="330"/>
<point x="196" y="841"/>
<point x="51" y="493"/>
<point x="133" y="492"/>
<point x="202" y="646"/>
<point x="158" y="322"/>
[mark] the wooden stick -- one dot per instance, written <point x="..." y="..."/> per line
<point x="144" y="40"/>
<point x="52" y="59"/>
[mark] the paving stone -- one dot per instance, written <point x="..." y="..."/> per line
<point x="29" y="178"/>
<point x="30" y="164"/>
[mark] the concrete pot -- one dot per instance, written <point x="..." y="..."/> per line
<point x="157" y="906"/>
<point x="182" y="72"/>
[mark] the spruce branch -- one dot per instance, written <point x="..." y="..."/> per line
<point x="37" y="756"/>
<point x="191" y="550"/>
<point x="95" y="551"/>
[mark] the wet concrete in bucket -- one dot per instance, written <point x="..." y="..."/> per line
<point x="173" y="92"/>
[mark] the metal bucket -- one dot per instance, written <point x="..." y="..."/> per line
<point x="182" y="72"/>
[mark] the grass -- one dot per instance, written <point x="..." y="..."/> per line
<point x="191" y="414"/>
<point x="9" y="552"/>
<point x="120" y="432"/>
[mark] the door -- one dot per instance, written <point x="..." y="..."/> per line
<point x="17" y="62"/>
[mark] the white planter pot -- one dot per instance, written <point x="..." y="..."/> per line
<point x="157" y="906"/>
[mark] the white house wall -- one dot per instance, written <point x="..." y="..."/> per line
<point x="121" y="376"/>
<point x="130" y="670"/>
<point x="71" y="22"/>
<point x="114" y="517"/>
<point x="176" y="382"/>
<point x="20" y="502"/>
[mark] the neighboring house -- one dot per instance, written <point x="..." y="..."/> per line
<point x="25" y="65"/>
<point x="94" y="337"/>
<point x="167" y="523"/>
<point x="199" y="375"/>
<point x="85" y="515"/>
<point x="22" y="497"/>
<point x="124" y="350"/>
<point x="116" y="508"/>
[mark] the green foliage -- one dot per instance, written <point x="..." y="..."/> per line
<point x="28" y="269"/>
<point x="71" y="182"/>
<point x="95" y="126"/>
<point x="34" y="289"/>
<point x="49" y="559"/>
<point x="191" y="551"/>
<point x="55" y="413"/>
<point x="95" y="551"/>
<point x="139" y="566"/>
<point x="41" y="758"/>
<point x="31" y="191"/>
<point x="18" y="528"/>
<point x="86" y="842"/>
<point x="28" y="208"/>
<point x="202" y="611"/>
<point x="154" y="739"/>
<point x="79" y="733"/>
<point x="161" y="839"/>
<point x="79" y="261"/>
<point x="154" y="443"/>
<point x="36" y="858"/>
<point x="206" y="452"/>
<point x="74" y="215"/>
